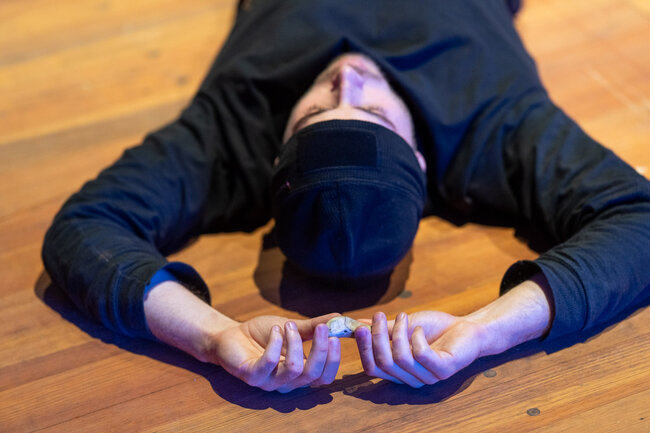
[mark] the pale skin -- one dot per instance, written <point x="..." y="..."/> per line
<point x="416" y="349"/>
<point x="265" y="351"/>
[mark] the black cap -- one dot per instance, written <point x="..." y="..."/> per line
<point x="347" y="199"/>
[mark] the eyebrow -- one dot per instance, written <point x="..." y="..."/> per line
<point x="370" y="110"/>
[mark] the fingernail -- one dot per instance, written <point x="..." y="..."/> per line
<point x="292" y="325"/>
<point x="401" y="316"/>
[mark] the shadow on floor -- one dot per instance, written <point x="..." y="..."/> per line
<point x="282" y="284"/>
<point x="358" y="385"/>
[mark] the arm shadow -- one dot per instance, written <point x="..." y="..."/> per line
<point x="287" y="287"/>
<point x="224" y="385"/>
<point x="385" y="392"/>
<point x="357" y="385"/>
<point x="237" y="392"/>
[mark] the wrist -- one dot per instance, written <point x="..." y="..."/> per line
<point x="179" y="318"/>
<point x="211" y="330"/>
<point x="492" y="339"/>
<point x="522" y="314"/>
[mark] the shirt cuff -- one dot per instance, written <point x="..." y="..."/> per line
<point x="180" y="273"/>
<point x="159" y="277"/>
<point x="568" y="303"/>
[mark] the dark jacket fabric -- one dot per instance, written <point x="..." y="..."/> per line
<point x="494" y="142"/>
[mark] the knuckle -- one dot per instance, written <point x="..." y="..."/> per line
<point x="241" y="373"/>
<point x="400" y="359"/>
<point x="250" y="379"/>
<point x="251" y="382"/>
<point x="324" y="381"/>
<point x="371" y="371"/>
<point x="430" y="380"/>
<point x="311" y="376"/>
<point x="384" y="362"/>
<point x="420" y="353"/>
<point x="268" y="364"/>
<point x="294" y="369"/>
<point x="445" y="373"/>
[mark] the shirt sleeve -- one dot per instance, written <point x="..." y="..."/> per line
<point x="112" y="236"/>
<point x="591" y="207"/>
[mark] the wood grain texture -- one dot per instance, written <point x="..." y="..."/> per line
<point x="83" y="80"/>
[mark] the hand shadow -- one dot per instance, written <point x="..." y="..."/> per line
<point x="290" y="289"/>
<point x="234" y="390"/>
<point x="358" y="385"/>
<point x="385" y="392"/>
<point x="224" y="385"/>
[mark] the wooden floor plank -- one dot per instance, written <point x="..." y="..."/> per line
<point x="30" y="32"/>
<point x="79" y="85"/>
<point x="629" y="415"/>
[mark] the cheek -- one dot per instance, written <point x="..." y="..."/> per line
<point x="405" y="115"/>
<point x="403" y="122"/>
<point x="295" y="114"/>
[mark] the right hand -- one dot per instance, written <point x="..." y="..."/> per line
<point x="267" y="352"/>
<point x="422" y="348"/>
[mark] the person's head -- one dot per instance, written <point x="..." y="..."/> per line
<point x="353" y="86"/>
<point x="349" y="183"/>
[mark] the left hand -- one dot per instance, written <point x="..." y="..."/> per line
<point x="427" y="346"/>
<point x="261" y="354"/>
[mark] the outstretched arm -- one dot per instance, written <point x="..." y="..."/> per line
<point x="541" y="169"/>
<point x="112" y="236"/>
<point x="266" y="351"/>
<point x="428" y="346"/>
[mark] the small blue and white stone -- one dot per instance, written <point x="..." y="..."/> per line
<point x="343" y="326"/>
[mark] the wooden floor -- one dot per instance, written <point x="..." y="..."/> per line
<point x="82" y="80"/>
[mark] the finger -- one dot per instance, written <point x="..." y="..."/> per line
<point x="390" y="325"/>
<point x="403" y="355"/>
<point x="315" y="363"/>
<point x="384" y="355"/>
<point x="425" y="355"/>
<point x="293" y="364"/>
<point x="269" y="360"/>
<point x="323" y="319"/>
<point x="364" y="343"/>
<point x="456" y="349"/>
<point x="332" y="363"/>
<point x="306" y="327"/>
<point x="369" y="323"/>
<point x="401" y="343"/>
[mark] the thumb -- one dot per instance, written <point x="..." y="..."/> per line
<point x="306" y="327"/>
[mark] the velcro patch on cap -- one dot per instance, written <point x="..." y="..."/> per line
<point x="336" y="148"/>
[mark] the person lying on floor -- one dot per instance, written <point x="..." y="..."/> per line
<point x="347" y="122"/>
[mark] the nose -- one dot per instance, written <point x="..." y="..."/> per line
<point x="349" y="84"/>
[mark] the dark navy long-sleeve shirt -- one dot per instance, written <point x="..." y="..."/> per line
<point x="494" y="143"/>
